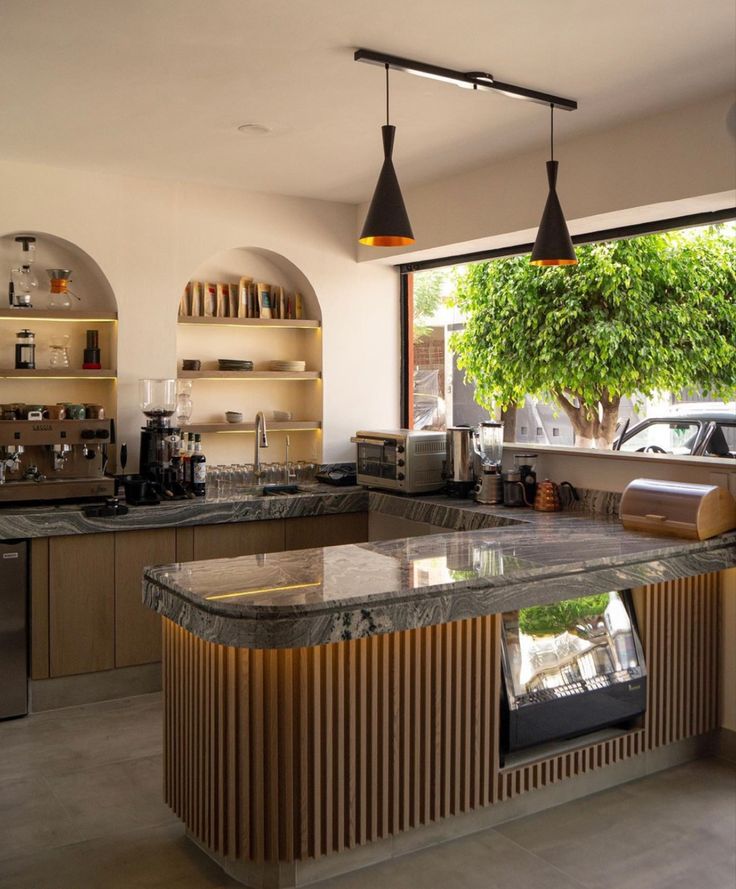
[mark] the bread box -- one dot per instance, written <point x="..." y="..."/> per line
<point x="677" y="508"/>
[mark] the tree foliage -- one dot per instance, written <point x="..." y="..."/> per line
<point x="549" y="620"/>
<point x="428" y="291"/>
<point x="634" y="317"/>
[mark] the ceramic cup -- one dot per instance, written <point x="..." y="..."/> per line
<point x="54" y="412"/>
<point x="75" y="411"/>
<point x="234" y="416"/>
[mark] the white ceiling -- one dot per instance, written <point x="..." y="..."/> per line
<point x="157" y="88"/>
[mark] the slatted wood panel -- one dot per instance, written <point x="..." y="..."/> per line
<point x="287" y="755"/>
<point x="678" y="623"/>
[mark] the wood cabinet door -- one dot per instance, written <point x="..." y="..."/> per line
<point x="326" y="530"/>
<point x="238" y="539"/>
<point x="137" y="628"/>
<point x="81" y="603"/>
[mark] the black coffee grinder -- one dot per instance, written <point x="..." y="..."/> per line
<point x="160" y="441"/>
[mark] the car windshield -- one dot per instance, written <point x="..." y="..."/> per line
<point x="668" y="436"/>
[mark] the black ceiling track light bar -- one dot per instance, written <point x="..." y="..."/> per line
<point x="387" y="223"/>
<point x="466" y="79"/>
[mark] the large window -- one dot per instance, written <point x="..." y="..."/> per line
<point x="443" y="383"/>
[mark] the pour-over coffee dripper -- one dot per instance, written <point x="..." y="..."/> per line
<point x="60" y="295"/>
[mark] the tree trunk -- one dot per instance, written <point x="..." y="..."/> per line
<point x="508" y="418"/>
<point x="594" y="425"/>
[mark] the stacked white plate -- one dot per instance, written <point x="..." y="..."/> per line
<point x="290" y="366"/>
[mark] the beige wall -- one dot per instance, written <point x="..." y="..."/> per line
<point x="149" y="237"/>
<point x="674" y="158"/>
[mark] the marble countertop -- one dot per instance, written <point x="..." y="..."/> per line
<point x="509" y="559"/>
<point x="55" y="521"/>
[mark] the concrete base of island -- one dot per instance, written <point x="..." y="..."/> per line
<point x="290" y="765"/>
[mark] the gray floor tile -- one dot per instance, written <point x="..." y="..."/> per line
<point x="114" y="797"/>
<point x="676" y="825"/>
<point x="158" y="858"/>
<point x="31" y="818"/>
<point x="54" y="742"/>
<point x="482" y="861"/>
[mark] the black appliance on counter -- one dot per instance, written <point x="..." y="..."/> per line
<point x="570" y="668"/>
<point x="160" y="442"/>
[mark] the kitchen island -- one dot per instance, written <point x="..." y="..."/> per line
<point x="329" y="708"/>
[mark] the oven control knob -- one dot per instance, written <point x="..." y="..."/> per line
<point x="87" y="434"/>
<point x="400" y="476"/>
<point x="400" y="449"/>
<point x="400" y="463"/>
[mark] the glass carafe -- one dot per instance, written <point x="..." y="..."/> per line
<point x="184" y="405"/>
<point x="59" y="280"/>
<point x="59" y="350"/>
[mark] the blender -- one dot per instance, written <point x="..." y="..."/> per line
<point x="160" y="440"/>
<point x="488" y="446"/>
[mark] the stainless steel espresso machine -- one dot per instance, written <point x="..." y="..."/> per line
<point x="46" y="460"/>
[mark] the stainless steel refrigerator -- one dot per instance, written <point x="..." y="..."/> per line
<point x="13" y="628"/>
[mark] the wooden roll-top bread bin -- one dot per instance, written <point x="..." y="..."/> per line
<point x="677" y="508"/>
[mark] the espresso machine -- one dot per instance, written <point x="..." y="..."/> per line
<point x="44" y="460"/>
<point x="159" y="451"/>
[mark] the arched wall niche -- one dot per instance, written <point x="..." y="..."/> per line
<point x="95" y="309"/>
<point x="300" y="398"/>
<point x="88" y="280"/>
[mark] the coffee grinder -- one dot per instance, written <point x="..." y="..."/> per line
<point x="159" y="439"/>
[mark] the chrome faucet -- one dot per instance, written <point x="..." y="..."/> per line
<point x="261" y="442"/>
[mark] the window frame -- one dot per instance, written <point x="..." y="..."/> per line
<point x="406" y="279"/>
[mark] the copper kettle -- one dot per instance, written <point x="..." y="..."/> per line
<point x="549" y="498"/>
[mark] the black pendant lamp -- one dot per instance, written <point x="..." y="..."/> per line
<point x="387" y="223"/>
<point x="553" y="245"/>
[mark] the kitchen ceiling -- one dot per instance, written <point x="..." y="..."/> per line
<point x="158" y="88"/>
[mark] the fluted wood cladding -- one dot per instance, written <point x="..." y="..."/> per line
<point x="293" y="754"/>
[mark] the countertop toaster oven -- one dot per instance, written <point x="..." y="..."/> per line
<point x="405" y="460"/>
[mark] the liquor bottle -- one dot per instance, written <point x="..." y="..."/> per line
<point x="198" y="463"/>
<point x="186" y="459"/>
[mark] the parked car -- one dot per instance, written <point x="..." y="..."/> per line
<point x="702" y="433"/>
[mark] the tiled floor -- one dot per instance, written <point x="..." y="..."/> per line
<point x="80" y="808"/>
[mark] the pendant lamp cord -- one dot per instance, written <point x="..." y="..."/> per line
<point x="551" y="131"/>
<point x="387" y="118"/>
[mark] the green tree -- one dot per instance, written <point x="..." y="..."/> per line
<point x="549" y="620"/>
<point x="428" y="289"/>
<point x="634" y="317"/>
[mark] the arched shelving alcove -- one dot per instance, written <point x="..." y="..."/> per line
<point x="214" y="392"/>
<point x="94" y="307"/>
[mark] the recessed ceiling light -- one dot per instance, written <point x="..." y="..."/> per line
<point x="254" y="129"/>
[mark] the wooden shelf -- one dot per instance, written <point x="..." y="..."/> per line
<point x="249" y="375"/>
<point x="272" y="426"/>
<point x="281" y="323"/>
<point x="57" y="373"/>
<point x="60" y="315"/>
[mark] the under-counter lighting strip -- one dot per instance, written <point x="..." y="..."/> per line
<point x="265" y="589"/>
